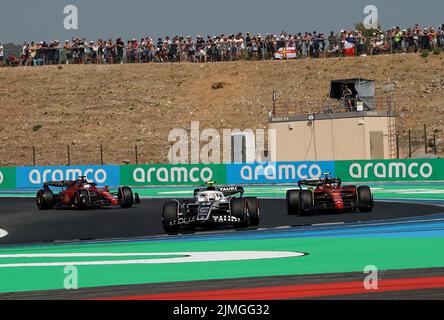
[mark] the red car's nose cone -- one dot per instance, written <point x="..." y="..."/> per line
<point x="337" y="198"/>
<point x="340" y="205"/>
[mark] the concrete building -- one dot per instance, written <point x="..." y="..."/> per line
<point x="347" y="136"/>
<point x="319" y="132"/>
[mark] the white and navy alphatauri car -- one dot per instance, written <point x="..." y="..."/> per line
<point x="211" y="207"/>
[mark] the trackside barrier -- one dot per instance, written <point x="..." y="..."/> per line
<point x="277" y="172"/>
<point x="173" y="175"/>
<point x="7" y="179"/>
<point x="424" y="170"/>
<point x="391" y="170"/>
<point x="34" y="177"/>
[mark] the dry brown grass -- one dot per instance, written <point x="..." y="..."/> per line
<point x="121" y="105"/>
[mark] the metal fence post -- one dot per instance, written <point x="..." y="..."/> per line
<point x="435" y="150"/>
<point x="397" y="146"/>
<point x="274" y="103"/>
<point x="425" y="138"/>
<point x="410" y="144"/>
<point x="136" y="152"/>
<point x="101" y="155"/>
<point x="33" y="156"/>
<point x="68" y="154"/>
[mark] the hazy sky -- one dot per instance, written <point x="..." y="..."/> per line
<point x="25" y="20"/>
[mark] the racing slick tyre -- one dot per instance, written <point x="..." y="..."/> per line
<point x="239" y="210"/>
<point x="365" y="199"/>
<point x="293" y="200"/>
<point x="307" y="203"/>
<point x="253" y="210"/>
<point x="126" y="197"/>
<point x="170" y="217"/>
<point x="45" y="200"/>
<point x="81" y="200"/>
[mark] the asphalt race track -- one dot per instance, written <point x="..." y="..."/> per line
<point x="26" y="224"/>
<point x="337" y="247"/>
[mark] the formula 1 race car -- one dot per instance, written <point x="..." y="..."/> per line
<point x="211" y="207"/>
<point x="82" y="194"/>
<point x="328" y="194"/>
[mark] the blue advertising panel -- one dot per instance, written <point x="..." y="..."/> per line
<point x="34" y="177"/>
<point x="277" y="172"/>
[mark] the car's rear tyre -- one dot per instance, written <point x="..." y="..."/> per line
<point x="253" y="210"/>
<point x="126" y="197"/>
<point x="365" y="199"/>
<point x="293" y="199"/>
<point x="170" y="215"/>
<point x="81" y="200"/>
<point x="45" y="200"/>
<point x="307" y="203"/>
<point x="239" y="210"/>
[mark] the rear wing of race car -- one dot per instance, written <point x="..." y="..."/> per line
<point x="61" y="184"/>
<point x="230" y="191"/>
<point x="58" y="184"/>
<point x="319" y="182"/>
<point x="227" y="191"/>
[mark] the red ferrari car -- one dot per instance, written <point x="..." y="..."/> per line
<point x="81" y="194"/>
<point x="328" y="194"/>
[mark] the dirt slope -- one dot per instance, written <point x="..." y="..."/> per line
<point x="119" y="106"/>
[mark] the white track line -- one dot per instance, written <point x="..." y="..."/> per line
<point x="184" y="257"/>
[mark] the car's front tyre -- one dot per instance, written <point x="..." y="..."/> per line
<point x="365" y="199"/>
<point x="126" y="197"/>
<point x="45" y="200"/>
<point x="81" y="200"/>
<point x="253" y="210"/>
<point x="239" y="210"/>
<point x="170" y="216"/>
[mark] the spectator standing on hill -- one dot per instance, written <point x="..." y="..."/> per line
<point x="432" y="37"/>
<point x="200" y="49"/>
<point x="426" y="40"/>
<point x="333" y="45"/>
<point x="440" y="36"/>
<point x="360" y="43"/>
<point x="190" y="49"/>
<point x="120" y="45"/>
<point x="2" y="54"/>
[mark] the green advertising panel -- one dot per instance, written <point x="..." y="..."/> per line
<point x="7" y="178"/>
<point x="391" y="170"/>
<point x="173" y="175"/>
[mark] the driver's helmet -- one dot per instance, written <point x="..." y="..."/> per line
<point x="210" y="186"/>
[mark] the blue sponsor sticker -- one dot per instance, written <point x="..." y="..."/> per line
<point x="277" y="172"/>
<point x="34" y="177"/>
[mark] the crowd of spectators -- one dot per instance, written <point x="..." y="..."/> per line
<point x="229" y="47"/>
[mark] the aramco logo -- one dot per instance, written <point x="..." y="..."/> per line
<point x="391" y="170"/>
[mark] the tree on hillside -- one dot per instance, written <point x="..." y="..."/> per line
<point x="368" y="33"/>
<point x="11" y="49"/>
